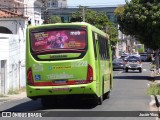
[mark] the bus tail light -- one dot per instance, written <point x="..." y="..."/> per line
<point x="30" y="77"/>
<point x="89" y="74"/>
<point x="88" y="79"/>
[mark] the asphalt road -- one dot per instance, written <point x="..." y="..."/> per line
<point x="128" y="94"/>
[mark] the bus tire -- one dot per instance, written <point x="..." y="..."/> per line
<point x="106" y="95"/>
<point x="45" y="102"/>
<point x="140" y="70"/>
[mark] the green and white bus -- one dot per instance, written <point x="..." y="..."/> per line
<point x="140" y="48"/>
<point x="68" y="59"/>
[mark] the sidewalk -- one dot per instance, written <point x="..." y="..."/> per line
<point x="155" y="79"/>
<point x="9" y="98"/>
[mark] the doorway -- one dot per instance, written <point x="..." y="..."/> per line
<point x="2" y="76"/>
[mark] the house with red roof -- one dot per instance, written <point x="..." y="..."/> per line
<point x="14" y="17"/>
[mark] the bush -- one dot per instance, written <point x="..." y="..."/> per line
<point x="154" y="89"/>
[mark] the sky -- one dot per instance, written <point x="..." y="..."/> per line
<point x="75" y="3"/>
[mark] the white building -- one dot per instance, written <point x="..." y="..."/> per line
<point x="57" y="4"/>
<point x="33" y="11"/>
<point x="14" y="16"/>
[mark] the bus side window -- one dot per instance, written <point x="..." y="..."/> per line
<point x="108" y="50"/>
<point x="100" y="47"/>
<point x="94" y="45"/>
<point x="105" y="48"/>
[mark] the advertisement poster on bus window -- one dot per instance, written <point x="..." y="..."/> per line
<point x="58" y="39"/>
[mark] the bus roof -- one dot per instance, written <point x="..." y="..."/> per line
<point x="64" y="24"/>
<point x="72" y="24"/>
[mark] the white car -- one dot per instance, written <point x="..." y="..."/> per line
<point x="136" y="54"/>
<point x="133" y="63"/>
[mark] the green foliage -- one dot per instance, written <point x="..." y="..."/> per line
<point x="1" y="95"/>
<point x="119" y="10"/>
<point x="16" y="91"/>
<point x="154" y="89"/>
<point x="113" y="33"/>
<point x="141" y="18"/>
<point x="99" y="20"/>
<point x="13" y="91"/>
<point x="55" y="19"/>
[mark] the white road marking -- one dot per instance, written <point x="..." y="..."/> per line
<point x="144" y="69"/>
<point x="118" y="73"/>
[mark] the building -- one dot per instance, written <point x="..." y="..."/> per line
<point x="65" y="13"/>
<point x="13" y="5"/>
<point x="57" y="4"/>
<point x="33" y="11"/>
<point x="14" y="17"/>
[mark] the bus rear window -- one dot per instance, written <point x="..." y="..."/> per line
<point x="58" y="39"/>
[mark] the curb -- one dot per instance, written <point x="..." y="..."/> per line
<point x="153" y="102"/>
<point x="155" y="99"/>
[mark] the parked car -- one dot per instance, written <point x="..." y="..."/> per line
<point x="147" y="57"/>
<point x="133" y="63"/>
<point x="144" y="57"/>
<point x="118" y="64"/>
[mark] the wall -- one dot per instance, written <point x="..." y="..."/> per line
<point x="11" y="52"/>
<point x="4" y="45"/>
<point x="13" y="46"/>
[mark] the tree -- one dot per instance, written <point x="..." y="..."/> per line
<point x="141" y="18"/>
<point x="98" y="19"/>
<point x="55" y="19"/>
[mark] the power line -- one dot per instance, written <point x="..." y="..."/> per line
<point x="59" y="7"/>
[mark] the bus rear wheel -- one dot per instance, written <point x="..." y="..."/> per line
<point x="140" y="70"/>
<point x="47" y="101"/>
<point x="106" y="95"/>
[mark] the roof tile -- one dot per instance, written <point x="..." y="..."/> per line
<point x="8" y="14"/>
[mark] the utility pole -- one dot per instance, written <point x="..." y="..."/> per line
<point x="44" y="9"/>
<point x="83" y="13"/>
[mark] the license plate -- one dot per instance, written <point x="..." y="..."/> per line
<point x="60" y="81"/>
<point x="133" y="66"/>
<point x="60" y="89"/>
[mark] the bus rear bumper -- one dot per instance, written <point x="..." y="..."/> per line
<point x="34" y="92"/>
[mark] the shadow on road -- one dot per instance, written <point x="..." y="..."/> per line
<point x="59" y="105"/>
<point x="132" y="77"/>
<point x="117" y="70"/>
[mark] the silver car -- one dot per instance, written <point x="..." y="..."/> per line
<point x="133" y="63"/>
<point x="118" y="64"/>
